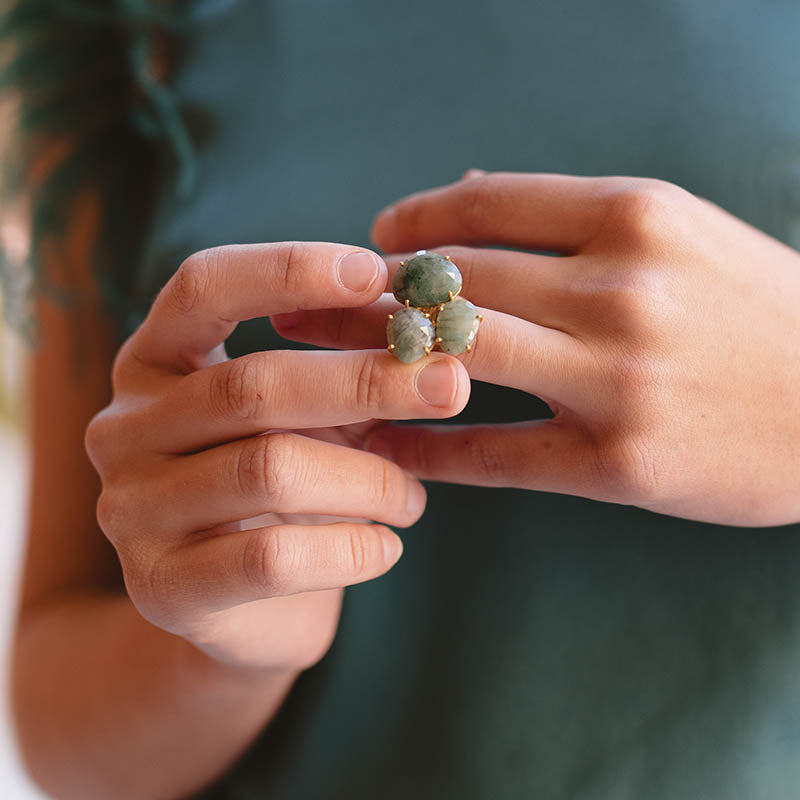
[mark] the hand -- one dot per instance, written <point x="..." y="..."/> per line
<point x="666" y="341"/>
<point x="194" y="444"/>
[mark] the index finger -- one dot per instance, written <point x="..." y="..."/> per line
<point x="215" y="289"/>
<point x="537" y="211"/>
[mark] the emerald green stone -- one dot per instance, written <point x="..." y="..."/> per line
<point x="457" y="326"/>
<point x="426" y="279"/>
<point x="411" y="332"/>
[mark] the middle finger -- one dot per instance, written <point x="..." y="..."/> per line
<point x="295" y="390"/>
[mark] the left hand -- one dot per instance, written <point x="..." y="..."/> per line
<point x="666" y="342"/>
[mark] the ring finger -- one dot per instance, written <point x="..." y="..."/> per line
<point x="538" y="288"/>
<point x="291" y="389"/>
<point x="508" y="351"/>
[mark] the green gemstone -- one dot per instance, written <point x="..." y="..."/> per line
<point x="426" y="279"/>
<point x="457" y="325"/>
<point x="411" y="332"/>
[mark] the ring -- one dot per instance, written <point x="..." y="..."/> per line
<point x="428" y="284"/>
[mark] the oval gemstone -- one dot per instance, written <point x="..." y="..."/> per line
<point x="426" y="279"/>
<point x="411" y="332"/>
<point x="457" y="325"/>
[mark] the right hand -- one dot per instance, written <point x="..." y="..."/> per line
<point x="194" y="446"/>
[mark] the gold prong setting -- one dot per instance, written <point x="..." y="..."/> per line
<point x="456" y="336"/>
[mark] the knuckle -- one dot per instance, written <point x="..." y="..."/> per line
<point x="270" y="560"/>
<point x="156" y="587"/>
<point x="292" y="257"/>
<point x="96" y="438"/>
<point x="112" y="510"/>
<point x="422" y="452"/>
<point x="381" y="487"/>
<point x="360" y="553"/>
<point x="186" y="289"/>
<point x="475" y="204"/>
<point x="644" y="210"/>
<point x="124" y="364"/>
<point x="628" y="470"/>
<point x="370" y="384"/>
<point x="237" y="388"/>
<point x="265" y="466"/>
<point x="483" y="452"/>
<point x="113" y="438"/>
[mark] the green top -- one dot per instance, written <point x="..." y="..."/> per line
<point x="526" y="645"/>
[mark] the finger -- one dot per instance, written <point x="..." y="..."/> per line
<point x="547" y="455"/>
<point x="537" y="211"/>
<point x="542" y="289"/>
<point x="293" y="390"/>
<point x="219" y="572"/>
<point x="507" y="350"/>
<point x="214" y="289"/>
<point x="278" y="472"/>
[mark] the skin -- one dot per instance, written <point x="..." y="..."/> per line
<point x="666" y="340"/>
<point x="241" y="496"/>
<point x="238" y="504"/>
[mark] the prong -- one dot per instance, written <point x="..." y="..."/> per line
<point x="402" y="263"/>
<point x="480" y="317"/>
<point x="427" y="315"/>
<point x="437" y="340"/>
<point x="391" y="316"/>
<point x="469" y="347"/>
<point x="447" y="258"/>
<point x="428" y="351"/>
<point x="408" y="302"/>
<point x="441" y="307"/>
<point x="390" y="347"/>
<point x="451" y="295"/>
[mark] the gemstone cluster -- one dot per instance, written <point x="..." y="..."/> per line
<point x="428" y="285"/>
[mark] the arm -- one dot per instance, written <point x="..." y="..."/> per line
<point x="154" y="691"/>
<point x="106" y="704"/>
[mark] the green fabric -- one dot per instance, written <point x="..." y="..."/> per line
<point x="526" y="645"/>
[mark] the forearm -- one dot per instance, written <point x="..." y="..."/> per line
<point x="108" y="705"/>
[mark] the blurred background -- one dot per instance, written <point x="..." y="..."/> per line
<point x="13" y="491"/>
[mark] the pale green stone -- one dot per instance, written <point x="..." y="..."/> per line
<point x="426" y="279"/>
<point x="457" y="326"/>
<point x="411" y="332"/>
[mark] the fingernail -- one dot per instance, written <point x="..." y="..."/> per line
<point x="473" y="173"/>
<point x="417" y="498"/>
<point x="289" y="320"/>
<point x="392" y="547"/>
<point x="358" y="271"/>
<point x="436" y="383"/>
